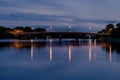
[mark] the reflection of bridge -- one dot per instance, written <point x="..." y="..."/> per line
<point x="89" y="45"/>
<point x="58" y="35"/>
<point x="91" y="54"/>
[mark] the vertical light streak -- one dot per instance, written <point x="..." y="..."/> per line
<point x="69" y="53"/>
<point x="110" y="53"/>
<point x="95" y="49"/>
<point x="31" y="54"/>
<point x="51" y="54"/>
<point x="90" y="50"/>
<point x="94" y="42"/>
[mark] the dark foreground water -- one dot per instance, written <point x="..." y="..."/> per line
<point x="52" y="60"/>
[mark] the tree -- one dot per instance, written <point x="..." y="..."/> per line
<point x="4" y="33"/>
<point x="28" y="29"/>
<point x="99" y="31"/>
<point x="39" y="29"/>
<point x="116" y="32"/>
<point x="118" y="25"/>
<point x="19" y="28"/>
<point x="103" y="31"/>
<point x="109" y="28"/>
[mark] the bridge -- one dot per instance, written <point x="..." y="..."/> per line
<point x="58" y="35"/>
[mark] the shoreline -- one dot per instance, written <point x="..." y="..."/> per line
<point x="109" y="39"/>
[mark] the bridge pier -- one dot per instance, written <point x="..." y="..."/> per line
<point x="60" y="42"/>
<point x="76" y="38"/>
<point x="60" y="37"/>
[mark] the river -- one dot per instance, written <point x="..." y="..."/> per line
<point x="54" y="60"/>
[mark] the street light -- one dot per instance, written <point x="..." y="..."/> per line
<point x="50" y="33"/>
<point x="90" y="31"/>
<point x="90" y="28"/>
<point x="51" y="27"/>
<point x="32" y="28"/>
<point x="70" y="28"/>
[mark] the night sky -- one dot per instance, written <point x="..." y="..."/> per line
<point x="76" y="13"/>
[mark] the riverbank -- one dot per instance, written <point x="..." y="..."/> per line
<point x="109" y="39"/>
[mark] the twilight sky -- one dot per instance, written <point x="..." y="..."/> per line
<point x="80" y="13"/>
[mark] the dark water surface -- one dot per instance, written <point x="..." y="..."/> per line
<point x="54" y="60"/>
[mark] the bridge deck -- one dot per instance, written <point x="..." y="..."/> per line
<point x="60" y="35"/>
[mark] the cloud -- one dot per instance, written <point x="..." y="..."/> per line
<point x="82" y="13"/>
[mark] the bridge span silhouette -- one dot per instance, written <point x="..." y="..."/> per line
<point x="59" y="35"/>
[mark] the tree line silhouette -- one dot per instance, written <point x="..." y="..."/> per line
<point x="113" y="31"/>
<point x="7" y="33"/>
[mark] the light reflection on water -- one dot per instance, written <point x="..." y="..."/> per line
<point x="83" y="59"/>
